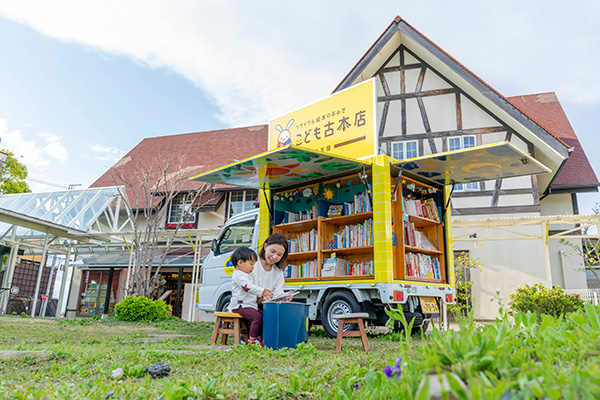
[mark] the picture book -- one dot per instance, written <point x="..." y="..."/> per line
<point x="285" y="296"/>
<point x="335" y="210"/>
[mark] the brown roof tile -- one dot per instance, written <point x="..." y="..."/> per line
<point x="546" y="110"/>
<point x="202" y="151"/>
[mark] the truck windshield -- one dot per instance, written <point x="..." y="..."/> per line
<point x="235" y="236"/>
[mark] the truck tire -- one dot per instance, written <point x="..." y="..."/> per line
<point x="419" y="321"/>
<point x="224" y="302"/>
<point x="338" y="303"/>
<point x="418" y="329"/>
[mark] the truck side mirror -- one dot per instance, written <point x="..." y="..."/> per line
<point x="213" y="247"/>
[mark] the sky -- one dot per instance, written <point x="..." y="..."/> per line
<point x="81" y="83"/>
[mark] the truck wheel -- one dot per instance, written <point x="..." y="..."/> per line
<point x="224" y="302"/>
<point x="418" y="329"/>
<point x="338" y="303"/>
<point x="419" y="320"/>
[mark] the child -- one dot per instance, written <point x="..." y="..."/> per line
<point x="245" y="292"/>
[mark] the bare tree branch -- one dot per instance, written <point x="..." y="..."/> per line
<point x="154" y="186"/>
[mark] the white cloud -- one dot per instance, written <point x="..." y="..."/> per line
<point x="105" y="153"/>
<point x="34" y="153"/>
<point x="53" y="147"/>
<point x="257" y="60"/>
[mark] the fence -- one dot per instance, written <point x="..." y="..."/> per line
<point x="22" y="304"/>
<point x="591" y="296"/>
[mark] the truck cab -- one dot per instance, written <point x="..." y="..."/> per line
<point x="215" y="287"/>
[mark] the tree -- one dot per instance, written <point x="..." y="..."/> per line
<point x="463" y="263"/>
<point x="589" y="250"/>
<point x="12" y="175"/>
<point x="152" y="188"/>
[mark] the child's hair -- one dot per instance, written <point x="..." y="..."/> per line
<point x="276" y="238"/>
<point x="243" y="254"/>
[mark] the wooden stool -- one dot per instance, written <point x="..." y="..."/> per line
<point x="225" y="318"/>
<point x="353" y="318"/>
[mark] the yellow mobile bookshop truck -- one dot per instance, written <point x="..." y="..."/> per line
<point x="365" y="232"/>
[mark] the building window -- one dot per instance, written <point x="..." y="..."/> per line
<point x="180" y="206"/>
<point x="242" y="200"/>
<point x="459" y="143"/>
<point x="405" y="149"/>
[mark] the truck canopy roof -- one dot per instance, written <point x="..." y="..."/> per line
<point x="293" y="166"/>
<point x="475" y="164"/>
<point x="283" y="168"/>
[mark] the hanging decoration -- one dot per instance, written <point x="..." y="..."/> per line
<point x="328" y="193"/>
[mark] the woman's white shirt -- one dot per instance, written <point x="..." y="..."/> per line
<point x="272" y="280"/>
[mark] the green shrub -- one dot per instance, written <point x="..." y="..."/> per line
<point x="540" y="300"/>
<point x="141" y="309"/>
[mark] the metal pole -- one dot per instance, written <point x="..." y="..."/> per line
<point x="48" y="285"/>
<point x="63" y="283"/>
<point x="39" y="277"/>
<point x="545" y="230"/>
<point x="194" y="277"/>
<point x="8" y="275"/>
<point x="108" y="292"/>
<point x="179" y="284"/>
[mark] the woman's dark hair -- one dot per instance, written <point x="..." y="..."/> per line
<point x="276" y="238"/>
<point x="243" y="254"/>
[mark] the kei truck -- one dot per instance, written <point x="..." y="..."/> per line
<point x="366" y="231"/>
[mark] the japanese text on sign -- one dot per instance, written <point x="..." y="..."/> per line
<point x="342" y="124"/>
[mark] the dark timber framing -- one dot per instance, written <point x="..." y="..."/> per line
<point x="429" y="136"/>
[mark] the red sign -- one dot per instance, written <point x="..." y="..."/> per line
<point x="44" y="297"/>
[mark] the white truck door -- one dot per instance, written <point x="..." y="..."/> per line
<point x="217" y="270"/>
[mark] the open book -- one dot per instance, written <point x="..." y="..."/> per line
<point x="285" y="296"/>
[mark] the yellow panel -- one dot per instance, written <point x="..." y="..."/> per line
<point x="342" y="124"/>
<point x="450" y="244"/>
<point x="382" y="221"/>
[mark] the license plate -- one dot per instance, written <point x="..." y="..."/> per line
<point x="429" y="305"/>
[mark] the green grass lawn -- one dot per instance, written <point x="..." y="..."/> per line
<point x="85" y="352"/>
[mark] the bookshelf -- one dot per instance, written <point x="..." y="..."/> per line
<point x="419" y="248"/>
<point x="343" y="244"/>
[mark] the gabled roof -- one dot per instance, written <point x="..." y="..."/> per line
<point x="202" y="151"/>
<point x="550" y="150"/>
<point x="577" y="173"/>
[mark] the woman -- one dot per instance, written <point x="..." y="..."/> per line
<point x="268" y="273"/>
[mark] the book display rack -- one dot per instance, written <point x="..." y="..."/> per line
<point x="419" y="232"/>
<point x="329" y="227"/>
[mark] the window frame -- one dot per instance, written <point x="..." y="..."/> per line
<point x="254" y="194"/>
<point x="251" y="223"/>
<point x="183" y="196"/>
<point x="464" y="187"/>
<point x="403" y="143"/>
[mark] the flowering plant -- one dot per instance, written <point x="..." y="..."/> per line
<point x="540" y="300"/>
<point x="395" y="371"/>
<point x="187" y="225"/>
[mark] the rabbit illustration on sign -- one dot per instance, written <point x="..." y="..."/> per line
<point x="285" y="137"/>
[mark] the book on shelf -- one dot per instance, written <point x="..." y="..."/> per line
<point x="416" y="238"/>
<point x="335" y="210"/>
<point x="297" y="216"/>
<point x="306" y="241"/>
<point x="283" y="297"/>
<point x="421" y="208"/>
<point x="304" y="270"/>
<point x="339" y="267"/>
<point x="422" y="266"/>
<point x="353" y="236"/>
<point x="360" y="204"/>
